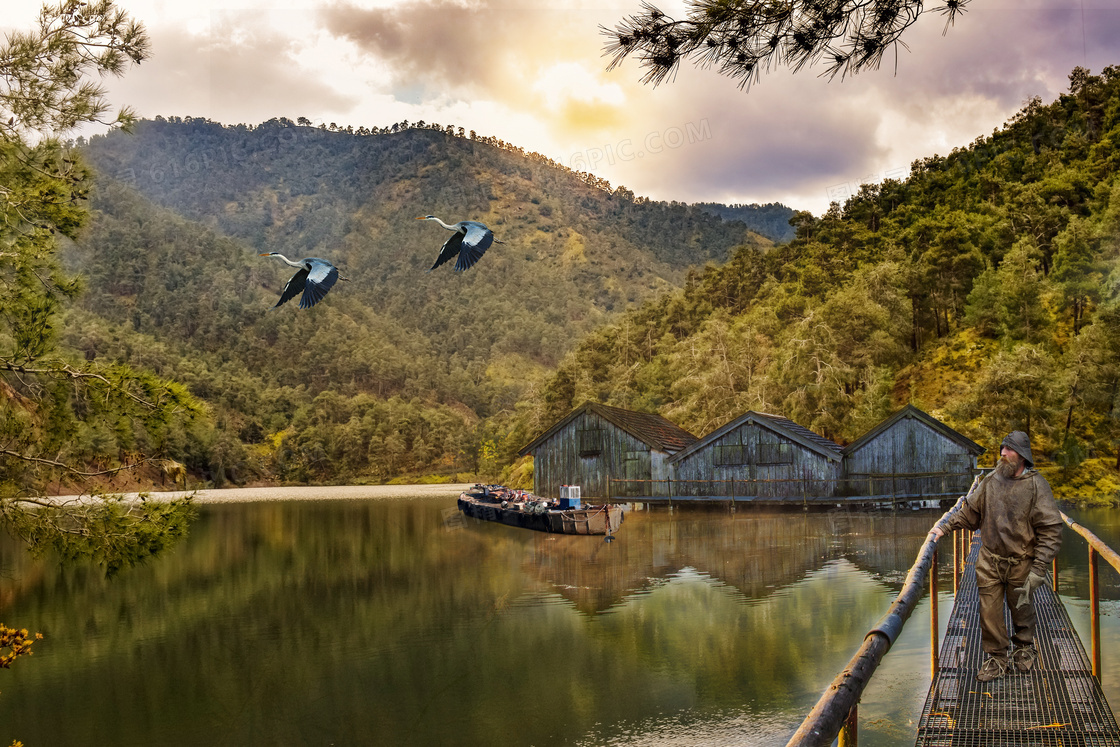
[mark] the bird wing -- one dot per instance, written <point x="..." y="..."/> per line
<point x="320" y="279"/>
<point x="293" y="288"/>
<point x="475" y="243"/>
<point x="450" y="249"/>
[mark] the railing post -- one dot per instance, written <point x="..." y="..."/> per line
<point x="933" y="626"/>
<point x="957" y="563"/>
<point x="849" y="733"/>
<point x="1054" y="570"/>
<point x="1095" y="611"/>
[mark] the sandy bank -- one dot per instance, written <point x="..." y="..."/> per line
<point x="326" y="493"/>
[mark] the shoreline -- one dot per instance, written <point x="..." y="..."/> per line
<point x="298" y="493"/>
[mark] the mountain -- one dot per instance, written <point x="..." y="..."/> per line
<point x="400" y="369"/>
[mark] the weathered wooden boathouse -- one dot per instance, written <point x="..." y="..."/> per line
<point x="595" y="443"/>
<point x="617" y="454"/>
<point x="911" y="454"/>
<point x="758" y="457"/>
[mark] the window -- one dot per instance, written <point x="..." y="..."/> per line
<point x="590" y="442"/>
<point x="775" y="453"/>
<point x="957" y="463"/>
<point x="728" y="454"/>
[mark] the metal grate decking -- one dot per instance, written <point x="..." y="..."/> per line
<point x="1058" y="703"/>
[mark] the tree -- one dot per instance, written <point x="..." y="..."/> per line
<point x="746" y="37"/>
<point x="65" y="421"/>
<point x="1075" y="271"/>
<point x="1015" y="391"/>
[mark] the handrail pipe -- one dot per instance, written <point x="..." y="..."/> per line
<point x="836" y="706"/>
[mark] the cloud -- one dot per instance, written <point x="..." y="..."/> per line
<point x="472" y="49"/>
<point x="543" y="61"/>
<point x="230" y="71"/>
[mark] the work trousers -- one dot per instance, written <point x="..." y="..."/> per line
<point x="997" y="578"/>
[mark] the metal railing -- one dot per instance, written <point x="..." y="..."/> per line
<point x="1097" y="549"/>
<point x="836" y="712"/>
<point x="794" y="489"/>
<point x="835" y="716"/>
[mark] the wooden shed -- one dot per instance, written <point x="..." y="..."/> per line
<point x="608" y="451"/>
<point x="758" y="456"/>
<point x="911" y="454"/>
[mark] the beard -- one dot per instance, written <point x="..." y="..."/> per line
<point x="1007" y="468"/>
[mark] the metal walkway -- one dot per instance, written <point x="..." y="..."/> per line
<point x="1058" y="703"/>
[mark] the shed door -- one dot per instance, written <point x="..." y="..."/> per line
<point x="636" y="472"/>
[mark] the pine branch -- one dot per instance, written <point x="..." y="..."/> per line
<point x="745" y="37"/>
<point x="68" y="468"/>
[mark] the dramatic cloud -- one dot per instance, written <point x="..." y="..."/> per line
<point x="230" y="72"/>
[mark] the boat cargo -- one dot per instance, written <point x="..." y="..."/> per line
<point x="521" y="508"/>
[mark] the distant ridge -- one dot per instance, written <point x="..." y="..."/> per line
<point x="771" y="220"/>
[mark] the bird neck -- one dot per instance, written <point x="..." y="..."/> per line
<point x="285" y="260"/>
<point x="453" y="227"/>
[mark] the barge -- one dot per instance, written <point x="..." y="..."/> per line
<point x="520" y="508"/>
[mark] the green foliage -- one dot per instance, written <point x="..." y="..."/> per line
<point x="44" y="72"/>
<point x="110" y="531"/>
<point x="771" y="220"/>
<point x="65" y="422"/>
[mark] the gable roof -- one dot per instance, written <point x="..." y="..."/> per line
<point x="649" y="428"/>
<point x="783" y="426"/>
<point x="913" y="412"/>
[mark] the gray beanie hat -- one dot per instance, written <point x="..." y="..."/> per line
<point x="1020" y="443"/>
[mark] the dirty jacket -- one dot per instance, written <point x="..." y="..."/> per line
<point x="1017" y="517"/>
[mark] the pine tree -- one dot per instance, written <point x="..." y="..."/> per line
<point x="65" y="421"/>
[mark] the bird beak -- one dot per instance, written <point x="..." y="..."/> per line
<point x="420" y="217"/>
<point x="263" y="254"/>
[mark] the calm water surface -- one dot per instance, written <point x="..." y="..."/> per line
<point x="390" y="621"/>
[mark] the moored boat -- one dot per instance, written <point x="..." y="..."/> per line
<point x="520" y="508"/>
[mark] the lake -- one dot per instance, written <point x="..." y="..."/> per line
<point x="384" y="618"/>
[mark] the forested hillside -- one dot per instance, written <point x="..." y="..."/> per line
<point x="399" y="371"/>
<point x="771" y="220"/>
<point x="983" y="289"/>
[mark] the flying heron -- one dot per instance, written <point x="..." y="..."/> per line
<point x="315" y="277"/>
<point x="470" y="242"/>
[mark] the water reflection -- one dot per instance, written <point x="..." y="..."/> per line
<point x="378" y="622"/>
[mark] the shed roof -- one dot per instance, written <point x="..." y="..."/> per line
<point x="782" y="426"/>
<point x="913" y="412"/>
<point x="649" y="428"/>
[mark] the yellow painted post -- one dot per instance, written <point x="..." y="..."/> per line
<point x="1095" y="612"/>
<point x="957" y="562"/>
<point x="849" y="733"/>
<point x="933" y="626"/>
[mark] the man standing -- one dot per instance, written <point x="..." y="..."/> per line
<point x="1020" y="533"/>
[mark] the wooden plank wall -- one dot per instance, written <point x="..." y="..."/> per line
<point x="809" y="474"/>
<point x="557" y="461"/>
<point x="909" y="447"/>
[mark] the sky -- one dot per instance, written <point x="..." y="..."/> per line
<point x="533" y="74"/>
